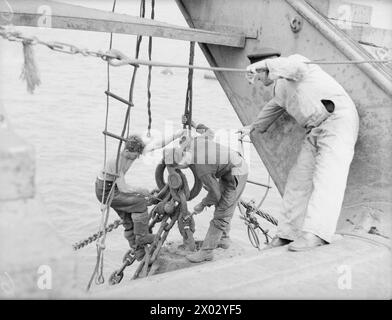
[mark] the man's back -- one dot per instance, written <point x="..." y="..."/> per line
<point x="212" y="157"/>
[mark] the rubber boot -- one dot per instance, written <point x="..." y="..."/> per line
<point x="209" y="244"/>
<point x="140" y="228"/>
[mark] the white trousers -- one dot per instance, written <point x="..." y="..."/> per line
<point x="316" y="184"/>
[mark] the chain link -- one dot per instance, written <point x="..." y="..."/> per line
<point x="97" y="235"/>
<point x="10" y="34"/>
<point x="116" y="58"/>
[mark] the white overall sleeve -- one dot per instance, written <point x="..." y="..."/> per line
<point x="271" y="111"/>
<point x="291" y="68"/>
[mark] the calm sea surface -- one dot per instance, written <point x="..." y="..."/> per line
<point x="64" y="119"/>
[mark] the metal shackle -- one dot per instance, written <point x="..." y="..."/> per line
<point x="174" y="180"/>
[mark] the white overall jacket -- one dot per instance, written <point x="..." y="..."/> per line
<point x="316" y="183"/>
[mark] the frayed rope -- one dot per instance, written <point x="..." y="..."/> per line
<point x="30" y="72"/>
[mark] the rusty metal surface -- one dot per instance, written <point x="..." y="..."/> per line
<point x="369" y="186"/>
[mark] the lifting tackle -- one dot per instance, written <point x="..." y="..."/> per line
<point x="171" y="209"/>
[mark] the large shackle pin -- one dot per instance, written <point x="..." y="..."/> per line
<point x="174" y="180"/>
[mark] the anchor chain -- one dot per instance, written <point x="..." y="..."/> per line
<point x="180" y="194"/>
<point x="172" y="209"/>
<point x="109" y="228"/>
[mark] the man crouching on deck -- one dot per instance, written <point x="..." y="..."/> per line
<point x="316" y="183"/>
<point x="223" y="172"/>
<point x="130" y="203"/>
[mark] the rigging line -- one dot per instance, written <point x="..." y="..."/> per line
<point x="99" y="262"/>
<point x="189" y="91"/>
<point x="71" y="49"/>
<point x="265" y="194"/>
<point x="149" y="73"/>
<point x="127" y="119"/>
<point x="126" y="61"/>
<point x="142" y="13"/>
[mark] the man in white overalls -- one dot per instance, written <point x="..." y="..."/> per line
<point x="316" y="183"/>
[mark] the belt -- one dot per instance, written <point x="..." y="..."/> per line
<point x="106" y="181"/>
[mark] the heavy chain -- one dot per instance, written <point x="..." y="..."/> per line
<point x="82" y="243"/>
<point x="116" y="58"/>
<point x="10" y="34"/>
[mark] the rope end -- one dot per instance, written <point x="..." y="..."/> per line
<point x="30" y="72"/>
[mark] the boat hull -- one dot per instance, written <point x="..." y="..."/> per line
<point x="368" y="195"/>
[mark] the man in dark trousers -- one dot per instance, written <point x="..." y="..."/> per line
<point x="223" y="173"/>
<point x="130" y="202"/>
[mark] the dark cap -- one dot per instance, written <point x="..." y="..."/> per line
<point x="263" y="53"/>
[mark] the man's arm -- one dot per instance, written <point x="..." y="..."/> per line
<point x="162" y="142"/>
<point x="271" y="111"/>
<point x="200" y="128"/>
<point x="268" y="115"/>
<point x="291" y="68"/>
<point x="203" y="130"/>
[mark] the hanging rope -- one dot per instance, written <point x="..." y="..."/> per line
<point x="142" y="13"/>
<point x="189" y="93"/>
<point x="149" y="73"/>
<point x="30" y="72"/>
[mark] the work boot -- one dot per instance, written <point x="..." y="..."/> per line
<point x="140" y="228"/>
<point x="201" y="255"/>
<point x="140" y="252"/>
<point x="209" y="244"/>
<point x="307" y="241"/>
<point x="142" y="240"/>
<point x="224" y="242"/>
<point x="130" y="236"/>
<point x="278" y="242"/>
